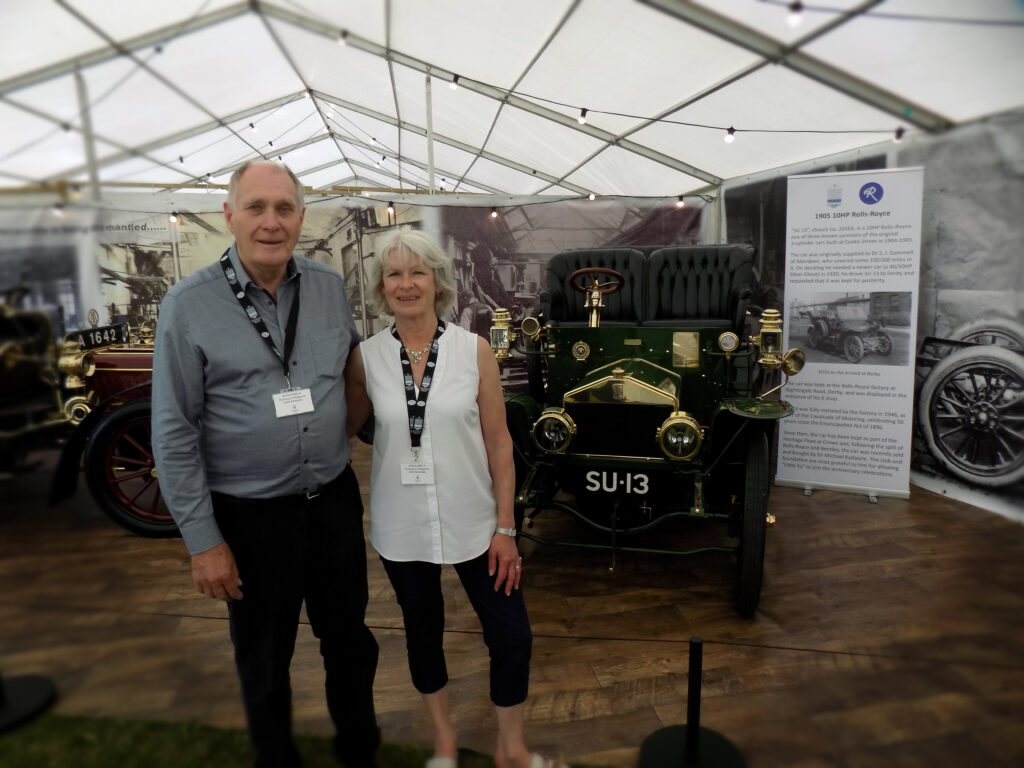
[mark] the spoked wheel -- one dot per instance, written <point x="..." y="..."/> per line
<point x="750" y="562"/>
<point x="121" y="472"/>
<point x="853" y="348"/>
<point x="884" y="344"/>
<point x="971" y="411"/>
<point x="997" y="331"/>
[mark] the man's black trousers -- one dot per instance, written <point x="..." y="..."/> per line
<point x="288" y="550"/>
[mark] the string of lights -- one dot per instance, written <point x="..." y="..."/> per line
<point x="796" y="9"/>
<point x="729" y="134"/>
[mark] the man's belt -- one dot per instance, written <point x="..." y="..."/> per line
<point x="294" y="498"/>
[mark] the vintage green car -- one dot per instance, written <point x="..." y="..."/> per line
<point x="652" y="395"/>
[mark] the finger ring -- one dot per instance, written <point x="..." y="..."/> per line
<point x="518" y="567"/>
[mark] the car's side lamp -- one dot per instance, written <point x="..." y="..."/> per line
<point x="769" y="340"/>
<point x="502" y="335"/>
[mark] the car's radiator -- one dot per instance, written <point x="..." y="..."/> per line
<point x="613" y="429"/>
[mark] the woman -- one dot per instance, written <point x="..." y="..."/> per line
<point x="442" y="484"/>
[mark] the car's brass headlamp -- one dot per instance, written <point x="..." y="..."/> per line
<point x="75" y="365"/>
<point x="680" y="436"/>
<point x="554" y="430"/>
<point x="502" y="335"/>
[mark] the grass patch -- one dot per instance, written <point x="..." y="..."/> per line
<point x="61" y="741"/>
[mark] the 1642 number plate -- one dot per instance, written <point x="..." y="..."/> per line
<point x="92" y="338"/>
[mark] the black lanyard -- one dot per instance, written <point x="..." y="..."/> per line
<point x="417" y="405"/>
<point x="261" y="328"/>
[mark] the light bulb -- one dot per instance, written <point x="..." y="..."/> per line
<point x="583" y="116"/>
<point x="680" y="203"/>
<point x="730" y="135"/>
<point x="796" y="14"/>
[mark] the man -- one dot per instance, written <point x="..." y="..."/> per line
<point x="251" y="451"/>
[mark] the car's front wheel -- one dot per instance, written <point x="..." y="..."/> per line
<point x="853" y="347"/>
<point x="121" y="472"/>
<point x="750" y="563"/>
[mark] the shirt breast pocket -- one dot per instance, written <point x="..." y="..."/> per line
<point x="330" y="351"/>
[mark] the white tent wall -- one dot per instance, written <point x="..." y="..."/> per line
<point x="147" y="91"/>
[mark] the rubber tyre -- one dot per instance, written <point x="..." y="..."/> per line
<point x="853" y="348"/>
<point x="750" y="556"/>
<point x="970" y="410"/>
<point x="998" y="331"/>
<point x="884" y="344"/>
<point x="120" y="472"/>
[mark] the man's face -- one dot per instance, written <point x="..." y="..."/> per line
<point x="266" y="221"/>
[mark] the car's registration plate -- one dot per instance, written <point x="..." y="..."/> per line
<point x="612" y="481"/>
<point x="91" y="338"/>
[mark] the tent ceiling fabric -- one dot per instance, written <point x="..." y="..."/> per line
<point x="177" y="91"/>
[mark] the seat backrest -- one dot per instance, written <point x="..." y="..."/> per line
<point x="709" y="284"/>
<point x="563" y="304"/>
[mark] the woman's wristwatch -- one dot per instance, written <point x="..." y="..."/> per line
<point x="507" y="531"/>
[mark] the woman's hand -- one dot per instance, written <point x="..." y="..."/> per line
<point x="503" y="559"/>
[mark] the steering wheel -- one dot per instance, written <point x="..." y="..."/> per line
<point x="613" y="285"/>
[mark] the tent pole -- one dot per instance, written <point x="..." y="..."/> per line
<point x="430" y="134"/>
<point x="87" y="137"/>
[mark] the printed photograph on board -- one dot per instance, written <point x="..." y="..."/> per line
<point x="866" y="328"/>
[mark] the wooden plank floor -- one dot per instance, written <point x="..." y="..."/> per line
<point x="889" y="634"/>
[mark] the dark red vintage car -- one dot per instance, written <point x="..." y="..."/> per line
<point x="108" y="407"/>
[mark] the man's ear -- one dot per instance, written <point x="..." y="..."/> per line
<point x="228" y="214"/>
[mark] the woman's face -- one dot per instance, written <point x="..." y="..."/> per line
<point x="409" y="286"/>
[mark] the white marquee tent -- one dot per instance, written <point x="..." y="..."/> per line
<point x="357" y="93"/>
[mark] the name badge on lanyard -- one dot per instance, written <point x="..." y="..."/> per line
<point x="417" y="472"/>
<point x="293" y="401"/>
<point x="290" y="401"/>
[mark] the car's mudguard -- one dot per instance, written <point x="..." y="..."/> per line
<point x="752" y="408"/>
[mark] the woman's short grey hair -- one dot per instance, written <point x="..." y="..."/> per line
<point x="411" y="241"/>
<point x="300" y="191"/>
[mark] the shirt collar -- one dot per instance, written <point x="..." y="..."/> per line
<point x="294" y="270"/>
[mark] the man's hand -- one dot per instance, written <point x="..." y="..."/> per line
<point x="215" y="575"/>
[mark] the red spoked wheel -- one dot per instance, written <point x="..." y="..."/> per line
<point x="121" y="472"/>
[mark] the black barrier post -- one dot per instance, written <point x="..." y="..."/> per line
<point x="22" y="698"/>
<point x="690" y="745"/>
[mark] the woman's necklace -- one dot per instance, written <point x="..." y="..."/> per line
<point x="416" y="354"/>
